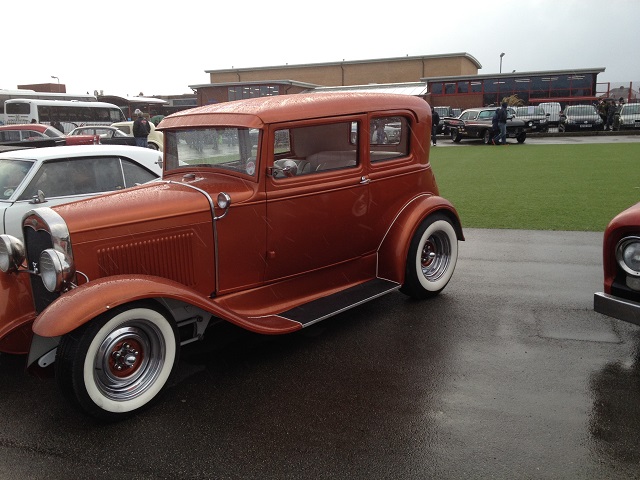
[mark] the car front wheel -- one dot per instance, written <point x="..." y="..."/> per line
<point x="486" y="137"/>
<point x="521" y="137"/>
<point x="118" y="363"/>
<point x="432" y="257"/>
<point x="455" y="135"/>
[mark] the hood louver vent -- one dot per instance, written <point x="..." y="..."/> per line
<point x="168" y="257"/>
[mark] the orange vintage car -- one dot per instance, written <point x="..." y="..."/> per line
<point x="273" y="214"/>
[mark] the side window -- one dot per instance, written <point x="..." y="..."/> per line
<point x="10" y="136"/>
<point x="79" y="176"/>
<point x="33" y="134"/>
<point x="385" y="131"/>
<point x="389" y="138"/>
<point x="134" y="173"/>
<point x="313" y="149"/>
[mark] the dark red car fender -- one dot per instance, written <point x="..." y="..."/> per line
<point x="392" y="254"/>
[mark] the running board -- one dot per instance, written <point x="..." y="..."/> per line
<point x="318" y="310"/>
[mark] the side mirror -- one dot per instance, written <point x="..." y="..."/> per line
<point x="38" y="198"/>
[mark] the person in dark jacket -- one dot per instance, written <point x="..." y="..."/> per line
<point x="501" y="117"/>
<point x="611" y="112"/>
<point x="141" y="129"/>
<point x="435" y="120"/>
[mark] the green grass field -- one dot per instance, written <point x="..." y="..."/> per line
<point x="539" y="187"/>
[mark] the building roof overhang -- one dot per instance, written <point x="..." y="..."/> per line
<point x="453" y="78"/>
<point x="353" y="62"/>
<point x="293" y="83"/>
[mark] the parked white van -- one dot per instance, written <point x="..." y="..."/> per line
<point x="552" y="109"/>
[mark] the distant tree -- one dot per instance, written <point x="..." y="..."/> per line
<point x="513" y="101"/>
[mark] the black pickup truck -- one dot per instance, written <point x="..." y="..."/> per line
<point x="477" y="123"/>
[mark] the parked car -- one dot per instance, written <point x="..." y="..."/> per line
<point x="580" y="118"/>
<point x="477" y="123"/>
<point x="40" y="135"/>
<point x="272" y="238"/>
<point x="108" y="135"/>
<point x="535" y="117"/>
<point x="553" y="109"/>
<point x="455" y="112"/>
<point x="621" y="263"/>
<point x="155" y="138"/>
<point x="629" y="116"/>
<point x="55" y="175"/>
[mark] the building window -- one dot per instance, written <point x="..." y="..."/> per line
<point x="252" y="91"/>
<point x="450" y="88"/>
<point x="436" y="88"/>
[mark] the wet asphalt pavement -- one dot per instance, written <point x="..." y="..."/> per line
<point x="508" y="374"/>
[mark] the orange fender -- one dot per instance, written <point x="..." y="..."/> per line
<point x="394" y="248"/>
<point x="80" y="305"/>
<point x="16" y="314"/>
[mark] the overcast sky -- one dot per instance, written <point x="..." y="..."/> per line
<point x="160" y="48"/>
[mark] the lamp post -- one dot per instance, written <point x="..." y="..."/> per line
<point x="501" y="55"/>
<point x="53" y="76"/>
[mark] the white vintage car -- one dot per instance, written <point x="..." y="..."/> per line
<point x="156" y="138"/>
<point x="45" y="177"/>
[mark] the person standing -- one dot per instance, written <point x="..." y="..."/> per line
<point x="501" y="117"/>
<point x="435" y="120"/>
<point x="611" y="112"/>
<point x="141" y="129"/>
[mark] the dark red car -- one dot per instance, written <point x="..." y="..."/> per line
<point x="621" y="261"/>
<point x="41" y="136"/>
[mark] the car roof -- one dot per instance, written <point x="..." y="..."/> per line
<point x="25" y="126"/>
<point x="256" y="112"/>
<point x="111" y="127"/>
<point x="71" y="151"/>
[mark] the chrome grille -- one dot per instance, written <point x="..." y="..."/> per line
<point x="35" y="242"/>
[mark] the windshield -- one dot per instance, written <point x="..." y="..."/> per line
<point x="581" y="110"/>
<point x="231" y="149"/>
<point x="631" y="109"/>
<point x="12" y="173"/>
<point x="525" y="111"/>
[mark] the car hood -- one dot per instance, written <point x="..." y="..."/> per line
<point x="149" y="206"/>
<point x="628" y="219"/>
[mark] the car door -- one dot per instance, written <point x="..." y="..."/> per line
<point x="318" y="213"/>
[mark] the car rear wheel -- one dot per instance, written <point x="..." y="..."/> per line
<point x="119" y="362"/>
<point x="153" y="146"/>
<point x="432" y="257"/>
<point x="455" y="135"/>
<point x="486" y="137"/>
<point x="521" y="137"/>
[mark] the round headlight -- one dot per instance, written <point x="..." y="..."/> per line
<point x="11" y="253"/>
<point x="55" y="270"/>
<point x="628" y="255"/>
